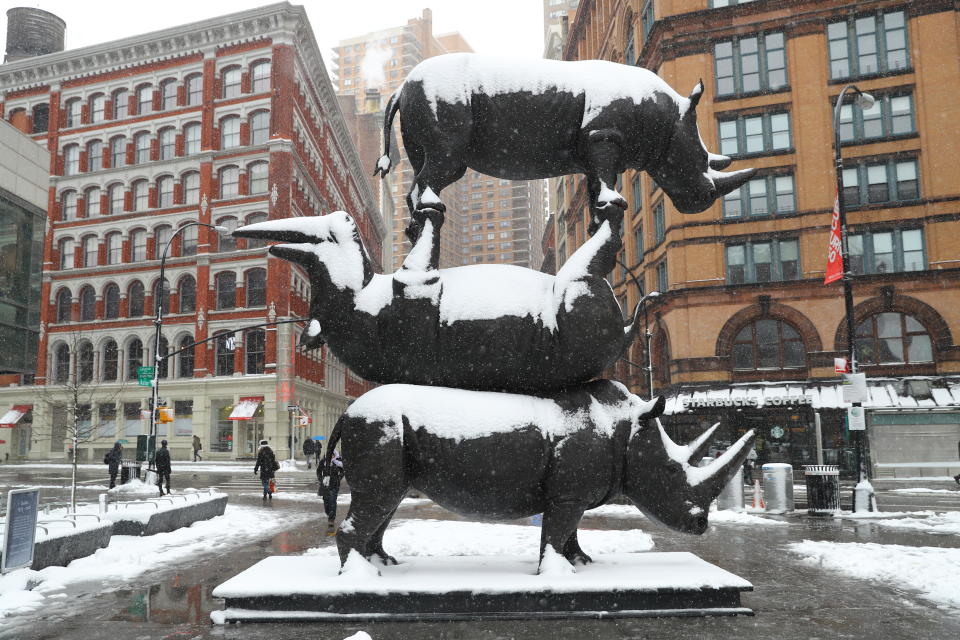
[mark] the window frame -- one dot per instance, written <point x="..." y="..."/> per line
<point x="880" y="43"/>
<point x="763" y="65"/>
<point x="890" y="164"/>
<point x="756" y="343"/>
<point x="225" y="296"/>
<point x="772" y="197"/>
<point x="906" y="339"/>
<point x="750" y="266"/>
<point x="867" y="256"/>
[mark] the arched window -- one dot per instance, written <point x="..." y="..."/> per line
<point x="111" y="360"/>
<point x="41" y="118"/>
<point x="188" y="241"/>
<point x="255" y="346"/>
<point x="118" y="151"/>
<point x="88" y="303"/>
<point x="256" y="287"/>
<point x="111" y="301"/>
<point x="161" y="363"/>
<point x="768" y="344"/>
<point x="144" y="99"/>
<point x="135" y="300"/>
<point x="98" y="104"/>
<point x="115" y="197"/>
<point x="90" y="250"/>
<point x="141" y="145"/>
<point x="85" y="362"/>
<point x="114" y="248"/>
<point x="121" y="103"/>
<point x="260" y="76"/>
<point x="230" y="132"/>
<point x="227" y="242"/>
<point x="161" y="237"/>
<point x="67" y="258"/>
<point x="64" y="305"/>
<point x="68" y="205"/>
<point x="191" y="187"/>
<point x="71" y="160"/>
<point x="259" y="127"/>
<point x="191" y="139"/>
<point x="187" y="290"/>
<point x="74" y="109"/>
<point x="257" y="181"/>
<point x="194" y="89"/>
<point x="141" y="195"/>
<point x="256" y="243"/>
<point x="134" y="358"/>
<point x="168" y="143"/>
<point x="229" y="182"/>
<point x="61" y="364"/>
<point x="165" y="191"/>
<point x="138" y="245"/>
<point x="162" y="294"/>
<point x="94" y="155"/>
<point x="892" y="338"/>
<point x="224" y="354"/>
<point x="226" y="283"/>
<point x="230" y="82"/>
<point x="168" y="93"/>
<point x="185" y="370"/>
<point x="91" y="200"/>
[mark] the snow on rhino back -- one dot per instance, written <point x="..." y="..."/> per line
<point x="456" y="77"/>
<point x="488" y="291"/>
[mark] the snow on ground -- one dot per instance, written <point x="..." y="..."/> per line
<point x="134" y="487"/>
<point x="728" y="516"/>
<point x="127" y="557"/>
<point x="932" y="571"/>
<point x="457" y="538"/>
<point x="947" y="523"/>
<point x="881" y="515"/>
<point x="923" y="490"/>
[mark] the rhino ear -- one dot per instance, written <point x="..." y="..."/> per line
<point x="695" y="96"/>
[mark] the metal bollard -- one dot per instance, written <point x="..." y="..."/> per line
<point x="732" y="495"/>
<point x="103" y="503"/>
<point x="778" y="487"/>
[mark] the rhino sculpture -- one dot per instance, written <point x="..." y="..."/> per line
<point x="558" y="454"/>
<point x="493" y="327"/>
<point x="532" y="119"/>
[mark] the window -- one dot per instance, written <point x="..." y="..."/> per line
<point x="135" y="300"/>
<point x="765" y="261"/>
<point x="257" y="181"/>
<point x="185" y="370"/>
<point x="90" y="247"/>
<point x="191" y="139"/>
<point x="161" y="239"/>
<point x="118" y="151"/>
<point x="260" y="76"/>
<point x="230" y="132"/>
<point x="875" y="182"/>
<point x="98" y="108"/>
<point x="868" y="45"/>
<point x="230" y="82"/>
<point x="94" y="155"/>
<point x="71" y="160"/>
<point x="111" y="360"/>
<point x="659" y="223"/>
<point x="227" y="242"/>
<point x="663" y="284"/>
<point x="188" y="241"/>
<point x="131" y="418"/>
<point x="108" y="412"/>
<point x="187" y="290"/>
<point x="134" y="362"/>
<point x="91" y="200"/>
<point x="768" y="344"/>
<point x="114" y="248"/>
<point x="891" y="115"/>
<point x="226" y="282"/>
<point x="66" y="254"/>
<point x="254" y="343"/>
<point x="121" y="103"/>
<point x="630" y="50"/>
<point x="141" y="144"/>
<point x="74" y="109"/>
<point x="68" y="205"/>
<point x="638" y="242"/>
<point x="141" y="195"/>
<point x="191" y="188"/>
<point x="144" y="99"/>
<point x="138" y="245"/>
<point x="256" y="287"/>
<point x="88" y="303"/>
<point x="229" y="182"/>
<point x="64" y="305"/>
<point x="761" y="133"/>
<point x="892" y="338"/>
<point x="111" y="301"/>
<point x="772" y="194"/>
<point x="637" y="198"/>
<point x="61" y="364"/>
<point x="168" y="143"/>
<point x="116" y="197"/>
<point x="224" y="354"/>
<point x="162" y="293"/>
<point x="168" y="94"/>
<point x="259" y="127"/>
<point x="194" y="89"/>
<point x="647" y="19"/>
<point x="887" y="251"/>
<point x="750" y="65"/>
<point x="165" y="191"/>
<point x="256" y="243"/>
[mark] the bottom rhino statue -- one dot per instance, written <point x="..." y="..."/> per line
<point x="506" y="456"/>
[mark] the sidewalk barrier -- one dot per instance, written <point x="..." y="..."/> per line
<point x="823" y="489"/>
<point x="758" y="495"/>
<point x="732" y="495"/>
<point x="778" y="487"/>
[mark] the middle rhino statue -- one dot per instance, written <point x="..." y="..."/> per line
<point x="507" y="456"/>
<point x="491" y="327"/>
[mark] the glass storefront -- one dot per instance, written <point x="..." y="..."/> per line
<point x="21" y="256"/>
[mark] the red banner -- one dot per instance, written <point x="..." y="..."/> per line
<point x="834" y="251"/>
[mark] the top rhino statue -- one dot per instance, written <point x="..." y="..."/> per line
<point x="531" y="119"/>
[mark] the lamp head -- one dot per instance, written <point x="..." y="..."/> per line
<point x="865" y="101"/>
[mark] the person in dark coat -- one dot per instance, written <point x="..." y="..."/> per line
<point x="267" y="465"/>
<point x="330" y="473"/>
<point x="309" y="449"/>
<point x="197" y="448"/>
<point x="113" y="459"/>
<point x="162" y="462"/>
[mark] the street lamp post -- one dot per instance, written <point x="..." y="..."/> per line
<point x="648" y="344"/>
<point x="863" y="493"/>
<point x="158" y="328"/>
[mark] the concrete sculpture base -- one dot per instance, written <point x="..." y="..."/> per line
<point x="300" y="588"/>
<point x="148" y="517"/>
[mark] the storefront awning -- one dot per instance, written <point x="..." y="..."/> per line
<point x="245" y="408"/>
<point x="12" y="417"/>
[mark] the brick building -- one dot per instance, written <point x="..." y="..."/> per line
<point x="226" y="121"/>
<point x="746" y="332"/>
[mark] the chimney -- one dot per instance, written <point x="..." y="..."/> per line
<point x="371" y="100"/>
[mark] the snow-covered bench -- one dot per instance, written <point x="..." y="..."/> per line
<point x="157" y="515"/>
<point x="62" y="538"/>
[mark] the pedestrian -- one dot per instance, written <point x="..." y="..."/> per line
<point x="267" y="465"/>
<point x="162" y="462"/>
<point x="956" y="478"/>
<point x="113" y="459"/>
<point x="309" y="449"/>
<point x="748" y="466"/>
<point x="197" y="448"/>
<point x="330" y="473"/>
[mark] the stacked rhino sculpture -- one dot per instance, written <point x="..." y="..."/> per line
<point x="489" y="405"/>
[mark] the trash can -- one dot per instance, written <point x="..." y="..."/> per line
<point x="823" y="489"/>
<point x="129" y="470"/>
<point x="778" y="487"/>
<point x="732" y="495"/>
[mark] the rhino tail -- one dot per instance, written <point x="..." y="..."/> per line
<point x="332" y="442"/>
<point x="383" y="162"/>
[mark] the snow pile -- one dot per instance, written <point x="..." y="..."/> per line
<point x="947" y="523"/>
<point x="923" y="490"/>
<point x="357" y="567"/>
<point x="930" y="570"/>
<point x="554" y="564"/>
<point x="880" y="515"/>
<point x="359" y="635"/>
<point x="134" y="487"/>
<point x="287" y="465"/>
<point x="728" y="516"/>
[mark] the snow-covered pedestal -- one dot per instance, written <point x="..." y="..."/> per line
<point x="158" y="515"/>
<point x="63" y="539"/>
<point x="621" y="585"/>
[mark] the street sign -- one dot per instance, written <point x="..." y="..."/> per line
<point x="855" y="387"/>
<point x="840" y="365"/>
<point x="20" y="528"/>
<point x="292" y="407"/>
<point x="145" y="376"/>
<point x="856" y="421"/>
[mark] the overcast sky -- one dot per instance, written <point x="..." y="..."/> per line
<point x="503" y="27"/>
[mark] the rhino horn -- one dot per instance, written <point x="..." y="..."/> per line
<point x="708" y="481"/>
<point x="301" y="253"/>
<point x="297" y="230"/>
<point x="653" y="409"/>
<point x="695" y="96"/>
<point x="718" y="162"/>
<point x="727" y="182"/>
<point x="700" y="446"/>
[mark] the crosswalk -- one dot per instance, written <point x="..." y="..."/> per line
<point x="284" y="483"/>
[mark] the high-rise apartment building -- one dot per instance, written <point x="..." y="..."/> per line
<point x="227" y="121"/>
<point x="746" y="332"/>
<point x="488" y="220"/>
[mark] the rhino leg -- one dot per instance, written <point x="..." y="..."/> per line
<point x="604" y="164"/>
<point x="439" y="170"/>
<point x="369" y="515"/>
<point x="573" y="553"/>
<point x="375" y="547"/>
<point x="425" y="255"/>
<point x="560" y="520"/>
